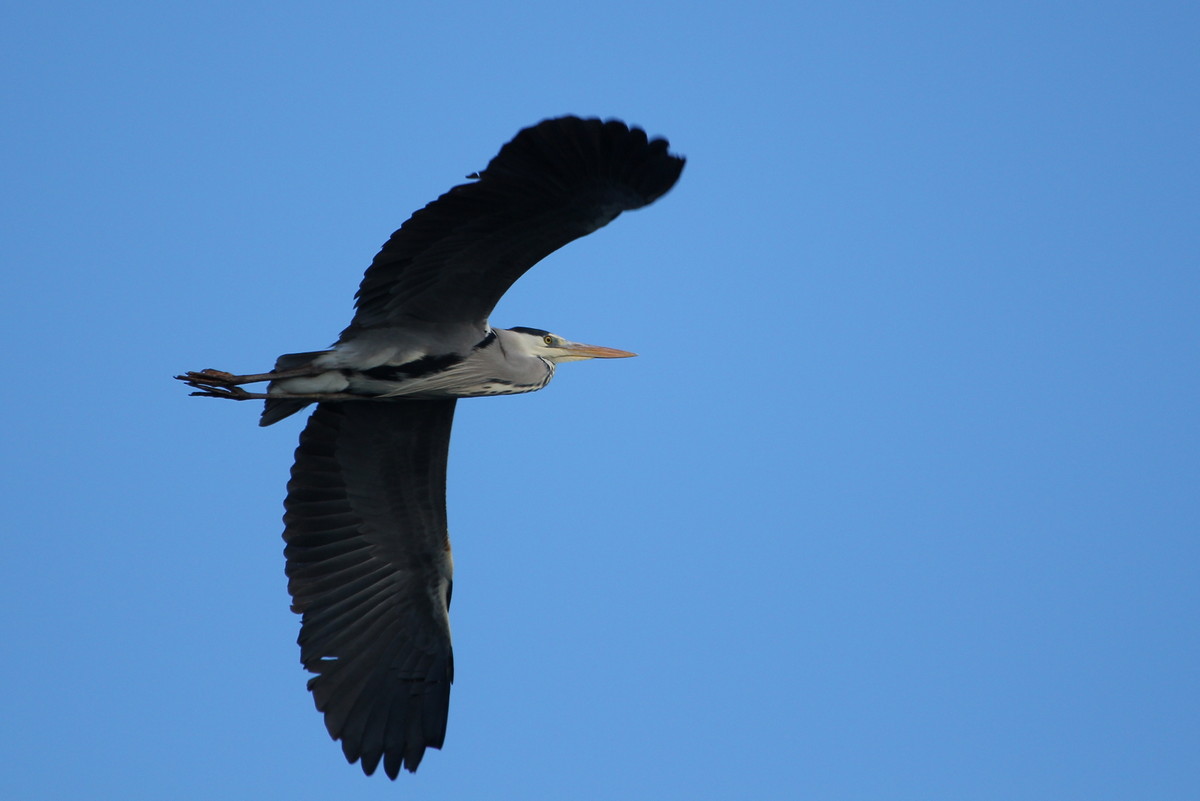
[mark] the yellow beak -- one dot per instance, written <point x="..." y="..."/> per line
<point x="581" y="351"/>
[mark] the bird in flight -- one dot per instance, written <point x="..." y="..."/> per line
<point x="367" y="548"/>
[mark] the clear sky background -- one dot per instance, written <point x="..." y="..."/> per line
<point x="900" y="500"/>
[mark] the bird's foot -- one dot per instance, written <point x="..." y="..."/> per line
<point x="218" y="384"/>
<point x="209" y="376"/>
<point x="220" y="378"/>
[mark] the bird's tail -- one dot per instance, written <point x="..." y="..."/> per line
<point x="275" y="409"/>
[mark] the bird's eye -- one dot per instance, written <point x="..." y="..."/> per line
<point x="549" y="340"/>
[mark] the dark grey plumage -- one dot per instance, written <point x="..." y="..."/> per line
<point x="368" y="552"/>
<point x="553" y="183"/>
<point x="368" y="565"/>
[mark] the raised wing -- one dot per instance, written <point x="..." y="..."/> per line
<point x="554" y="182"/>
<point x="369" y="568"/>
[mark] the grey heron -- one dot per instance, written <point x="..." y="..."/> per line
<point x="367" y="547"/>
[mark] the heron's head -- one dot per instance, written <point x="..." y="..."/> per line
<point x="554" y="348"/>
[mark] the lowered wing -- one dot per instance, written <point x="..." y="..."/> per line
<point x="369" y="568"/>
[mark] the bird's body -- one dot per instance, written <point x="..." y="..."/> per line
<point x="368" y="553"/>
<point x="503" y="362"/>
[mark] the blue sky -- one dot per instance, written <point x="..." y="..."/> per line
<point x="898" y="502"/>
